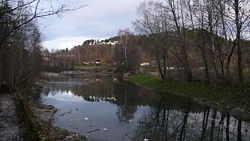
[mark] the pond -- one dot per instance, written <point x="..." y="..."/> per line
<point x="107" y="110"/>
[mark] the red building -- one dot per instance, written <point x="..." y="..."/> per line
<point x="92" y="63"/>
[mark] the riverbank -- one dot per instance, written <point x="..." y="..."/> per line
<point x="37" y="120"/>
<point x="236" y="96"/>
<point x="40" y="118"/>
<point x="10" y="127"/>
<point x="124" y="111"/>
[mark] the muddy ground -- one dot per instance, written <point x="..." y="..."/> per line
<point x="10" y="128"/>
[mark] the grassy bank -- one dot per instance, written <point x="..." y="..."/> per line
<point x="235" y="95"/>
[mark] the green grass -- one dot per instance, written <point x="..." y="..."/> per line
<point x="237" y="94"/>
<point x="117" y="74"/>
<point x="87" y="67"/>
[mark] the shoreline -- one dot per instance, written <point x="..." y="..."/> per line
<point x="147" y="83"/>
<point x="38" y="118"/>
<point x="235" y="109"/>
<point x="43" y="114"/>
<point x="38" y="121"/>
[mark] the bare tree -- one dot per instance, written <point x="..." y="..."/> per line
<point x="26" y="17"/>
<point x="154" y="24"/>
<point x="20" y="39"/>
<point x="127" y="52"/>
<point x="241" y="22"/>
<point x="124" y="35"/>
<point x="176" y="8"/>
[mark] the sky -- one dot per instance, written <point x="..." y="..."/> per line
<point x="99" y="19"/>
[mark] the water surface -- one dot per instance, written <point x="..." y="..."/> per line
<point x="121" y="111"/>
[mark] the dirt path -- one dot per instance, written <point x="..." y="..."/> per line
<point x="9" y="125"/>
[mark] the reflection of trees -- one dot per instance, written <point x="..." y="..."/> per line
<point x="239" y="131"/>
<point x="166" y="123"/>
<point x="158" y="125"/>
<point x="129" y="97"/>
<point x="227" y="127"/>
<point x="125" y="95"/>
<point x="126" y="113"/>
<point x="170" y="118"/>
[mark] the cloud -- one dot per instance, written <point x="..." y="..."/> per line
<point x="99" y="19"/>
<point x="64" y="42"/>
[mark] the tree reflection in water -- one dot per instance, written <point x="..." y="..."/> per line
<point x="167" y="124"/>
<point x="168" y="118"/>
<point x="125" y="111"/>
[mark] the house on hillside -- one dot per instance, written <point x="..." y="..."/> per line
<point x="92" y="63"/>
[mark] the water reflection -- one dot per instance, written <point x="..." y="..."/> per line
<point x="124" y="111"/>
<point x="165" y="124"/>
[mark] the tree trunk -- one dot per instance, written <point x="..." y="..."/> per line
<point x="214" y="114"/>
<point x="205" y="63"/>
<point x="1" y="68"/>
<point x="181" y="39"/>
<point x="159" y="63"/>
<point x="239" y="138"/>
<point x="227" y="128"/>
<point x="229" y="62"/>
<point x="240" y="68"/>
<point x="238" y="38"/>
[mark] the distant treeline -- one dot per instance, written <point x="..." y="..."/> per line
<point x="111" y="52"/>
<point x="193" y="40"/>
<point x="141" y="49"/>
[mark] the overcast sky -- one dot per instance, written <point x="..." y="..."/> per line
<point x="98" y="20"/>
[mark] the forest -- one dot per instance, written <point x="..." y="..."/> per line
<point x="202" y="40"/>
<point x="183" y="63"/>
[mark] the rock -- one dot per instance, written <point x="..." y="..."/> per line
<point x="50" y="75"/>
<point x="126" y="75"/>
<point x="114" y="79"/>
<point x="44" y="114"/>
